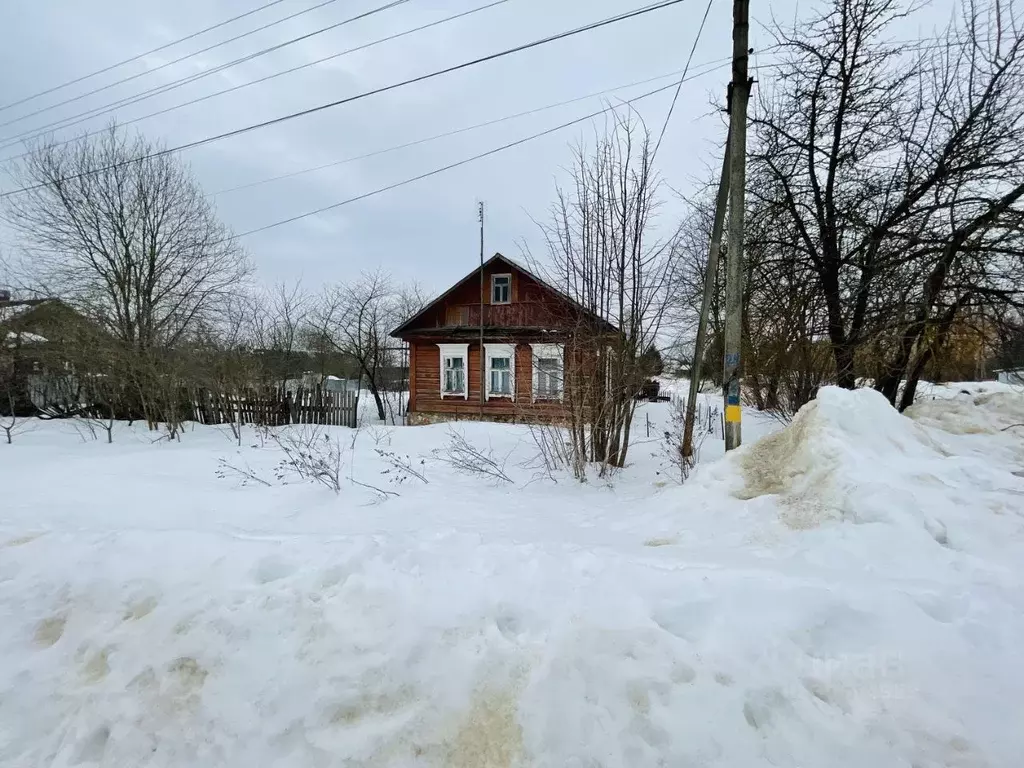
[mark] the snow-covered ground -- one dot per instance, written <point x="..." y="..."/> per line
<point x="845" y="592"/>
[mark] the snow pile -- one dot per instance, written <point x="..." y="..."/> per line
<point x="820" y="463"/>
<point x="848" y="592"/>
<point x="850" y="458"/>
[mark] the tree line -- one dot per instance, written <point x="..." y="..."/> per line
<point x="885" y="180"/>
<point x="884" y="240"/>
<point x="161" y="295"/>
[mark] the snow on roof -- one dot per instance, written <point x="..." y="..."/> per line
<point x="12" y="309"/>
<point x="26" y="338"/>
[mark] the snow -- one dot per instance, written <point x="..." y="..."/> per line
<point x="844" y="592"/>
<point x="25" y="337"/>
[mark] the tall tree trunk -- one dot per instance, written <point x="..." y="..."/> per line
<point x="377" y="400"/>
<point x="842" y="348"/>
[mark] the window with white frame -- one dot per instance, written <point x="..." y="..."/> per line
<point x="501" y="370"/>
<point x="548" y="371"/>
<point x="501" y="289"/>
<point x="454" y="365"/>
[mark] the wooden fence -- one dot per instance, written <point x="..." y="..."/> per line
<point x="277" y="407"/>
<point x="707" y="418"/>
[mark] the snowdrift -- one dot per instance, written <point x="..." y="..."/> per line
<point x="846" y="592"/>
<point x="840" y="448"/>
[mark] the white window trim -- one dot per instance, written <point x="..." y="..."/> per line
<point x="501" y="350"/>
<point x="546" y="351"/>
<point x="455" y="350"/>
<point x="509" y="276"/>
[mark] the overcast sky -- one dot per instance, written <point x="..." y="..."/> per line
<point x="425" y="231"/>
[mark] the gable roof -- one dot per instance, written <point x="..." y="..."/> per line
<point x="497" y="257"/>
<point x="12" y="308"/>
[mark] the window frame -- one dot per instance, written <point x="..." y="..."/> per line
<point x="493" y="285"/>
<point x="452" y="351"/>
<point x="544" y="352"/>
<point x="501" y="351"/>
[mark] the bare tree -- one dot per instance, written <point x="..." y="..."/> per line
<point x="125" y="235"/>
<point x="14" y="409"/>
<point x="686" y="289"/>
<point x="355" y="319"/>
<point x="278" y="329"/>
<point x="9" y="385"/>
<point x="893" y="175"/>
<point x="605" y="253"/>
<point x="9" y="418"/>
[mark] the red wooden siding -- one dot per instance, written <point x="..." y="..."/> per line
<point x="529" y="314"/>
<point x="531" y="305"/>
<point x="425" y="397"/>
<point x="535" y="313"/>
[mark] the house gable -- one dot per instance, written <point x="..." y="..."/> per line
<point x="48" y="319"/>
<point x="532" y="305"/>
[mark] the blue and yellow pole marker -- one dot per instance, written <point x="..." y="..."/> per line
<point x="733" y="411"/>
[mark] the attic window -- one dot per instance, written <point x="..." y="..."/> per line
<point x="501" y="289"/>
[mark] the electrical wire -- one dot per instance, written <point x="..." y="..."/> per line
<point x="450" y="166"/>
<point x="479" y="156"/>
<point x="85" y="116"/>
<point x="914" y="45"/>
<point x="711" y="66"/>
<point x="365" y="94"/>
<point x="82" y="117"/>
<point x="675" y="97"/>
<point x="138" y="56"/>
<point x="173" y="62"/>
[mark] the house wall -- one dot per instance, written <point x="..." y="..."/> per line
<point x="425" y="397"/>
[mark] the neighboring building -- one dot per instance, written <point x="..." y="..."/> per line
<point x="33" y="320"/>
<point x="526" y="324"/>
<point x="35" y="337"/>
<point x="1011" y="375"/>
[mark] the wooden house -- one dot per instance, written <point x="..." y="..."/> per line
<point x="524" y="325"/>
<point x="38" y="339"/>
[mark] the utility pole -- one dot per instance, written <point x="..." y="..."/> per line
<point x="739" y="93"/>
<point x="483" y="361"/>
<point x="721" y="200"/>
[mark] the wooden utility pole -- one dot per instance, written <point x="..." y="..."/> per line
<point x="739" y="93"/>
<point x="721" y="200"/>
<point x="483" y="361"/>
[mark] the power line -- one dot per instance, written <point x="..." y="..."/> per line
<point x="916" y="45"/>
<point x="172" y="63"/>
<point x="140" y="55"/>
<point x="710" y="67"/>
<point x="448" y="167"/>
<point x="82" y="117"/>
<point x="460" y="163"/>
<point x="383" y="89"/>
<point x="686" y="68"/>
<point x="85" y="116"/>
<point x="479" y="156"/>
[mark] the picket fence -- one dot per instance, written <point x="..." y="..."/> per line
<point x="276" y="407"/>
